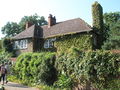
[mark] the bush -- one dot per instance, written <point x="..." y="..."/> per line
<point x="97" y="67"/>
<point x="7" y="45"/>
<point x="100" y="67"/>
<point x="4" y="57"/>
<point x="36" y="68"/>
<point x="63" y="82"/>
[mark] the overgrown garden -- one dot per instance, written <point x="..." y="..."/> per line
<point x="70" y="67"/>
<point x="74" y="68"/>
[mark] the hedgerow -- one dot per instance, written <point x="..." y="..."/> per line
<point x="99" y="68"/>
<point x="36" y="68"/>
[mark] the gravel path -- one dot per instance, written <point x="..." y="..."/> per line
<point x="16" y="86"/>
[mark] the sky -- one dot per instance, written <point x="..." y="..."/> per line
<point x="14" y="10"/>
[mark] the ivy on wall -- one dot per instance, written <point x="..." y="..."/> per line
<point x="98" y="27"/>
<point x="81" y="41"/>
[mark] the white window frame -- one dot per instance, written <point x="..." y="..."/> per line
<point x="49" y="43"/>
<point x="20" y="44"/>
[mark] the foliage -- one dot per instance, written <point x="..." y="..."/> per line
<point x="36" y="68"/>
<point x="114" y="85"/>
<point x="13" y="28"/>
<point x="35" y="19"/>
<point x="4" y="57"/>
<point x="0" y="44"/>
<point x="97" y="14"/>
<point x="100" y="67"/>
<point x="13" y="78"/>
<point x="82" y="42"/>
<point x="112" y="20"/>
<point x="63" y="82"/>
<point x="46" y="87"/>
<point x="7" y="45"/>
<point x="97" y="67"/>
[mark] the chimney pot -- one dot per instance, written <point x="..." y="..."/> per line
<point x="50" y="16"/>
<point x="51" y="20"/>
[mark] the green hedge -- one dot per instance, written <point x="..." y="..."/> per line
<point x="36" y="68"/>
<point x="97" y="67"/>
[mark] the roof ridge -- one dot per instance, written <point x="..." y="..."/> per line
<point x="69" y="20"/>
<point x="76" y="25"/>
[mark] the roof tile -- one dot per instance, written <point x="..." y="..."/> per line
<point x="62" y="28"/>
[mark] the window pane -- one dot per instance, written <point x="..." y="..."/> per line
<point x="21" y="44"/>
<point x="46" y="44"/>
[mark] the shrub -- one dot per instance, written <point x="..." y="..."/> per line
<point x="100" y="67"/>
<point x="97" y="67"/>
<point x="4" y="57"/>
<point x="36" y="68"/>
<point x="63" y="82"/>
<point x="7" y="45"/>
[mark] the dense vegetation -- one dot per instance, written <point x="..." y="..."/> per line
<point x="7" y="45"/>
<point x="70" y="68"/>
<point x="112" y="22"/>
<point x="4" y="52"/>
<point x="4" y="57"/>
<point x="36" y="68"/>
<point x="82" y="42"/>
<point x="98" y="26"/>
<point x="99" y="68"/>
<point x="0" y="44"/>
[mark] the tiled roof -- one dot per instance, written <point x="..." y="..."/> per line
<point x="63" y="28"/>
<point x="67" y="27"/>
<point x="28" y="33"/>
<point x="33" y="31"/>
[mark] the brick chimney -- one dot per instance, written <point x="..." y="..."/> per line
<point x="28" y="24"/>
<point x="51" y="20"/>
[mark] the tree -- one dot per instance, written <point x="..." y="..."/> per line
<point x="113" y="41"/>
<point x="97" y="14"/>
<point x="12" y="28"/>
<point x="112" y="20"/>
<point x="35" y="19"/>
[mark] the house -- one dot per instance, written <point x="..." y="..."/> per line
<point x="55" y="36"/>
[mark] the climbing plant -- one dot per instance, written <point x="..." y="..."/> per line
<point x="80" y="41"/>
<point x="97" y="15"/>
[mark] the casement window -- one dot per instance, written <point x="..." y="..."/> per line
<point x="21" y="44"/>
<point x="49" y="43"/>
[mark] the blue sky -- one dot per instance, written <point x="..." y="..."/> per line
<point x="14" y="10"/>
